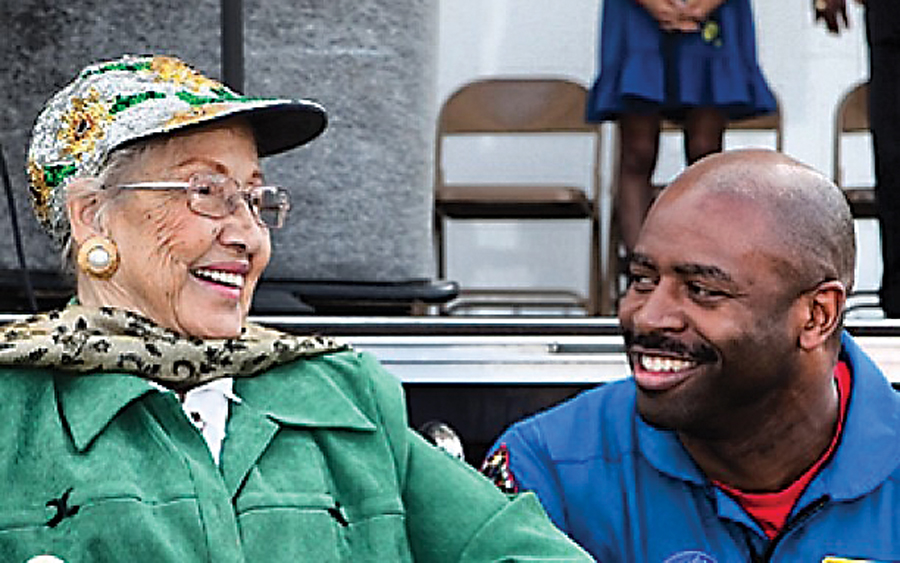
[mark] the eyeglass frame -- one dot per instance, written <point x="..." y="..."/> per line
<point x="248" y="196"/>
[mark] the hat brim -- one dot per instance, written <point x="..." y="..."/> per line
<point x="283" y="126"/>
<point x="278" y="125"/>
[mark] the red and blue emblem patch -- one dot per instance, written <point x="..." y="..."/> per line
<point x="496" y="468"/>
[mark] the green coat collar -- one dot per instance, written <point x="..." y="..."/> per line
<point x="88" y="402"/>
<point x="295" y="394"/>
<point x="304" y="393"/>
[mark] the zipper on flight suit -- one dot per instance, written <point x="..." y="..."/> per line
<point x="802" y="516"/>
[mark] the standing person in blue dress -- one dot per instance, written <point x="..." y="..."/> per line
<point x="693" y="62"/>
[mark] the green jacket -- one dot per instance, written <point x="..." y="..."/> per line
<point x="318" y="465"/>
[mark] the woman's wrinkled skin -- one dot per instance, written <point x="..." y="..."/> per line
<point x="169" y="254"/>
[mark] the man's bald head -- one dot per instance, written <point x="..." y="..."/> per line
<point x="810" y="218"/>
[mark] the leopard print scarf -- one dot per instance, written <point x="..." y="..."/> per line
<point x="89" y="339"/>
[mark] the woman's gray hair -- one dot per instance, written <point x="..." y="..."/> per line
<point x="120" y="167"/>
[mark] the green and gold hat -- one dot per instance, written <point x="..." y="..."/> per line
<point x="114" y="103"/>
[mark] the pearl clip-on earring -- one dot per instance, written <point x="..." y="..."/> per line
<point x="98" y="257"/>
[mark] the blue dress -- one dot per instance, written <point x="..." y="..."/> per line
<point x="644" y="68"/>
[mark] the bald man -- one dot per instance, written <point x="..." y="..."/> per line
<point x="753" y="428"/>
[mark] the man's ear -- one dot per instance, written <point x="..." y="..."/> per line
<point x="823" y="309"/>
<point x="82" y="206"/>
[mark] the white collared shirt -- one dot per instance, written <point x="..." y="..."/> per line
<point x="206" y="407"/>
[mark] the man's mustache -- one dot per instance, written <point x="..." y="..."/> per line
<point x="700" y="353"/>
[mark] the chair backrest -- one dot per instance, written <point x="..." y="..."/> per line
<point x="505" y="105"/>
<point x="524" y="106"/>
<point x="515" y="105"/>
<point x="851" y="116"/>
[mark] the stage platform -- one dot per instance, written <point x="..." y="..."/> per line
<point x="575" y="351"/>
<point x="481" y="374"/>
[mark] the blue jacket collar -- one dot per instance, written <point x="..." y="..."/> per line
<point x="664" y="451"/>
<point x="869" y="450"/>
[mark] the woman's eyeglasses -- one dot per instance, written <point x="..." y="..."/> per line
<point x="217" y="196"/>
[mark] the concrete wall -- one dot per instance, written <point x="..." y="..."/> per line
<point x="361" y="193"/>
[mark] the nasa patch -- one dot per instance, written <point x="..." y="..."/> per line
<point x="691" y="557"/>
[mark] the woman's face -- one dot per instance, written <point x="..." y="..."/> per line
<point x="190" y="273"/>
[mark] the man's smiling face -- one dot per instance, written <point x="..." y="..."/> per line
<point x="705" y="317"/>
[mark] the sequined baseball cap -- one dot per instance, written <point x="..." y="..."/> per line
<point x="114" y="103"/>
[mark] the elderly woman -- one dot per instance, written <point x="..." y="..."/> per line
<point x="148" y="420"/>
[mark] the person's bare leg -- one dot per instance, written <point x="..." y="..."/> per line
<point x="639" y="145"/>
<point x="703" y="131"/>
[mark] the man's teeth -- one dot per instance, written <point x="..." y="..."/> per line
<point x="224" y="278"/>
<point x="662" y="364"/>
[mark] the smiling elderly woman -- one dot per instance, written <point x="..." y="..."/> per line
<point x="148" y="420"/>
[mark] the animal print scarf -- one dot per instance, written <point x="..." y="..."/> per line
<point x="88" y="339"/>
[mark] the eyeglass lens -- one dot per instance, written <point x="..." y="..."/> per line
<point x="218" y="196"/>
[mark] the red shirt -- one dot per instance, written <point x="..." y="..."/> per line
<point x="771" y="510"/>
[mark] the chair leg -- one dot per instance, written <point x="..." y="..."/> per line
<point x="596" y="302"/>
<point x="439" y="254"/>
<point x="610" y="289"/>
